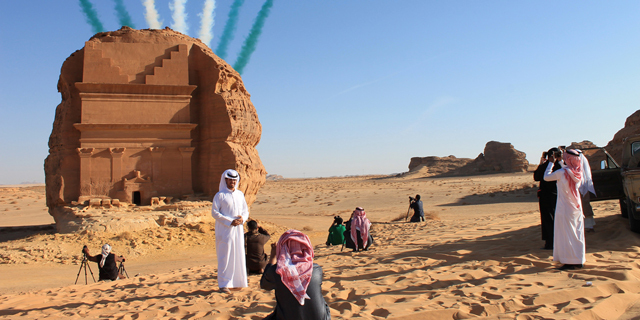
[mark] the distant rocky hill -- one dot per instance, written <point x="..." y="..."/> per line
<point x="436" y="165"/>
<point x="274" y="177"/>
<point x="497" y="157"/>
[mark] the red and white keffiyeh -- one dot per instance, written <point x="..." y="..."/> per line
<point x="360" y="222"/>
<point x="295" y="263"/>
<point x="573" y="168"/>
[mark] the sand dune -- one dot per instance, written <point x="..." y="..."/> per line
<point x="481" y="258"/>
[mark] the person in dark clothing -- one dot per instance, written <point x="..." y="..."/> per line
<point x="296" y="279"/>
<point x="106" y="263"/>
<point x="255" y="240"/>
<point x="416" y="205"/>
<point x="547" y="194"/>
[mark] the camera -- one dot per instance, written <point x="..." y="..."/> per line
<point x="412" y="199"/>
<point x="545" y="154"/>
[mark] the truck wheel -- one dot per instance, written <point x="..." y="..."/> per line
<point x="634" y="224"/>
<point x="624" y="211"/>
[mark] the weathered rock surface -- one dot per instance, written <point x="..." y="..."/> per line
<point x="148" y="111"/>
<point x="430" y="166"/>
<point x="498" y="157"/>
<point x="631" y="127"/>
<point x="274" y="177"/>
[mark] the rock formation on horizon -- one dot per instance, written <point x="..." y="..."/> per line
<point x="436" y="165"/>
<point x="147" y="114"/>
<point x="498" y="157"/>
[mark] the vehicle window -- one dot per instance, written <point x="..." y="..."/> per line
<point x="635" y="147"/>
<point x="610" y="163"/>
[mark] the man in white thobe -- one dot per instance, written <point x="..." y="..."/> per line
<point x="568" y="237"/>
<point x="230" y="211"/>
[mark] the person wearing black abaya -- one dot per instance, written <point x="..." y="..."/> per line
<point x="547" y="195"/>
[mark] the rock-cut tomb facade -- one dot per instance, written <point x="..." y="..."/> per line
<point x="147" y="114"/>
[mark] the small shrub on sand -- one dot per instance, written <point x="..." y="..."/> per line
<point x="307" y="228"/>
<point x="400" y="217"/>
<point x="430" y="215"/>
<point x="125" y="236"/>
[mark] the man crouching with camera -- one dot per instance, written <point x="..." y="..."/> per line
<point x="106" y="263"/>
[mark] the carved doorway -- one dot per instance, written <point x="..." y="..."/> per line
<point x="136" y="198"/>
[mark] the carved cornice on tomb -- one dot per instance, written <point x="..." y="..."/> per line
<point x="85" y="152"/>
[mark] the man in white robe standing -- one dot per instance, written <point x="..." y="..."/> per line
<point x="568" y="237"/>
<point x="230" y="210"/>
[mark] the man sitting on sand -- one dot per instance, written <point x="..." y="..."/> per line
<point x="106" y="263"/>
<point x="254" y="241"/>
<point x="296" y="279"/>
<point x="336" y="232"/>
<point x="358" y="236"/>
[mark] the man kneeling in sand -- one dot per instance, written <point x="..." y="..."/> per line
<point x="106" y="263"/>
<point x="254" y="241"/>
<point x="296" y="279"/>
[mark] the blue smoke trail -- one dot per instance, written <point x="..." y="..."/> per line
<point x="229" y="29"/>
<point x="123" y="15"/>
<point x="250" y="43"/>
<point x="91" y="15"/>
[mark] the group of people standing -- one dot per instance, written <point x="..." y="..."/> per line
<point x="565" y="209"/>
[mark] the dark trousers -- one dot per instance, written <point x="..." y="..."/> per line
<point x="547" y="205"/>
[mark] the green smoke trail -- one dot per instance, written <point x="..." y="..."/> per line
<point x="123" y="15"/>
<point x="229" y="29"/>
<point x="92" y="16"/>
<point x="250" y="43"/>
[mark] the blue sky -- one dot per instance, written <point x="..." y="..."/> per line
<point x="360" y="86"/>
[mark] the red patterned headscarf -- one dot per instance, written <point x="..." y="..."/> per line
<point x="295" y="263"/>
<point x="573" y="170"/>
<point x="360" y="222"/>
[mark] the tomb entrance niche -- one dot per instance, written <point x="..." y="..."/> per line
<point x="137" y="190"/>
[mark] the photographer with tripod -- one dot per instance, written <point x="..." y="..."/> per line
<point x="416" y="205"/>
<point x="109" y="270"/>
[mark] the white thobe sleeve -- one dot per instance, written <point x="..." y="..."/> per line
<point x="550" y="175"/>
<point x="216" y="214"/>
<point x="245" y="210"/>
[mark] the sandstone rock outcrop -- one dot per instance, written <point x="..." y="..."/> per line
<point x="498" y="157"/>
<point x="430" y="166"/>
<point x="147" y="114"/>
<point x="631" y="127"/>
<point x="594" y="156"/>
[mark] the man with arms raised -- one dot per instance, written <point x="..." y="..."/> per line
<point x="230" y="210"/>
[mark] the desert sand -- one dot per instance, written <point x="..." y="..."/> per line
<point x="478" y="256"/>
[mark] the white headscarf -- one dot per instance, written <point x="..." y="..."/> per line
<point x="106" y="249"/>
<point x="587" y="182"/>
<point x="229" y="174"/>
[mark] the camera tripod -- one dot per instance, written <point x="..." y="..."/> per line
<point x="85" y="264"/>
<point x="121" y="270"/>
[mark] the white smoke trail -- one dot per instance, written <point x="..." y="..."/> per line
<point x="151" y="14"/>
<point x="179" y="16"/>
<point x="207" y="21"/>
